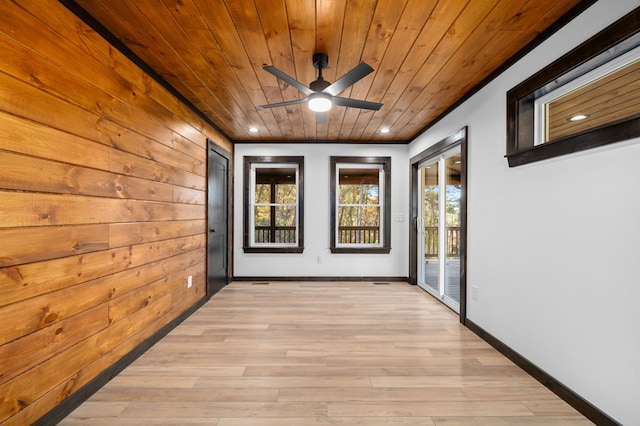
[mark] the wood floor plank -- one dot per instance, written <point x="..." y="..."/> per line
<point x="433" y="408"/>
<point x="315" y="353"/>
<point x="512" y="421"/>
<point x="451" y="381"/>
<point x="551" y="407"/>
<point x="286" y="382"/>
<point x="148" y="409"/>
<point x="524" y="393"/>
<point x="137" y="421"/>
<point x="371" y="394"/>
<point x="165" y="371"/>
<point x="155" y="381"/>
<point x="322" y="421"/>
<point x="164" y="394"/>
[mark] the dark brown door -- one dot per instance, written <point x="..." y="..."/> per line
<point x="217" y="221"/>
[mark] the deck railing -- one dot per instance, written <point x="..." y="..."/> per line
<point x="358" y="235"/>
<point x="431" y="241"/>
<point x="365" y="235"/>
<point x="281" y="234"/>
<point x="346" y="234"/>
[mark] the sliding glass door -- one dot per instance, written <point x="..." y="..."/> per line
<point x="438" y="226"/>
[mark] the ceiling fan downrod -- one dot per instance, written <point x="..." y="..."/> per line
<point x="320" y="62"/>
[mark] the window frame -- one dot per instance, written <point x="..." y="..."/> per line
<point x="620" y="37"/>
<point x="384" y="163"/>
<point x="249" y="163"/>
<point x="590" y="77"/>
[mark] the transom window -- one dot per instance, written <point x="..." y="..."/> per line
<point x="605" y="95"/>
<point x="273" y="204"/>
<point x="360" y="194"/>
<point x="586" y="99"/>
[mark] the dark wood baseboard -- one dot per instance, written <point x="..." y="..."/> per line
<point x="576" y="401"/>
<point x="69" y="404"/>
<point x="316" y="279"/>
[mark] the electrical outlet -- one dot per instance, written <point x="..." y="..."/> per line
<point x="320" y="259"/>
<point x="474" y="292"/>
<point x="189" y="281"/>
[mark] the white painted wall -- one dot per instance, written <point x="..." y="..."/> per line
<point x="317" y="220"/>
<point x="553" y="245"/>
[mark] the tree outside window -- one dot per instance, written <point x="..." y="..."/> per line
<point x="360" y="198"/>
<point x="273" y="204"/>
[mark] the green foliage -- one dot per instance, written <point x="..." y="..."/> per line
<point x="270" y="212"/>
<point x="352" y="199"/>
<point x="430" y="212"/>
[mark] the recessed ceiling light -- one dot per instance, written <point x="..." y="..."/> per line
<point x="384" y="130"/>
<point x="577" y="117"/>
<point x="253" y="129"/>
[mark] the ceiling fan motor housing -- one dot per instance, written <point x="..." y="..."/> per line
<point x="319" y="85"/>
<point x="320" y="61"/>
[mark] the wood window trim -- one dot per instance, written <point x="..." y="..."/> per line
<point x="587" y="56"/>
<point x="385" y="162"/>
<point x="248" y="161"/>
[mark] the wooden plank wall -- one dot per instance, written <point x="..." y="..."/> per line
<point x="102" y="207"/>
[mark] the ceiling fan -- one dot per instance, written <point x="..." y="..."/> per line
<point x="321" y="94"/>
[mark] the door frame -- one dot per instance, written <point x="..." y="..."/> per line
<point x="459" y="137"/>
<point x="212" y="147"/>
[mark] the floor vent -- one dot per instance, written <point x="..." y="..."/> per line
<point x="380" y="283"/>
<point x="260" y="283"/>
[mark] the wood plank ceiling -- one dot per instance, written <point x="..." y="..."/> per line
<point x="427" y="54"/>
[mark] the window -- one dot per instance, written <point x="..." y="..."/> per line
<point x="360" y="204"/>
<point x="605" y="95"/>
<point x="273" y="200"/>
<point x="585" y="99"/>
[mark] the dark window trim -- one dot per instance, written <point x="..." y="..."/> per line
<point x="616" y="39"/>
<point x="460" y="137"/>
<point x="385" y="162"/>
<point x="247" y="162"/>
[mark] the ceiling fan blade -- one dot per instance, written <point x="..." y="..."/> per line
<point x="287" y="103"/>
<point x="341" y="84"/>
<point x="321" y="117"/>
<point x="356" y="103"/>
<point x="287" y="79"/>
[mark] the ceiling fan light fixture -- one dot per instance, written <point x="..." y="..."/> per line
<point x="321" y="95"/>
<point x="320" y="102"/>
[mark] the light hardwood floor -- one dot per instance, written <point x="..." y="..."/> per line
<point x="317" y="353"/>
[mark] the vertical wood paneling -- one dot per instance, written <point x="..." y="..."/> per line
<point x="276" y="28"/>
<point x="380" y="28"/>
<point x="356" y="24"/>
<point x="401" y="43"/>
<point x="102" y="207"/>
